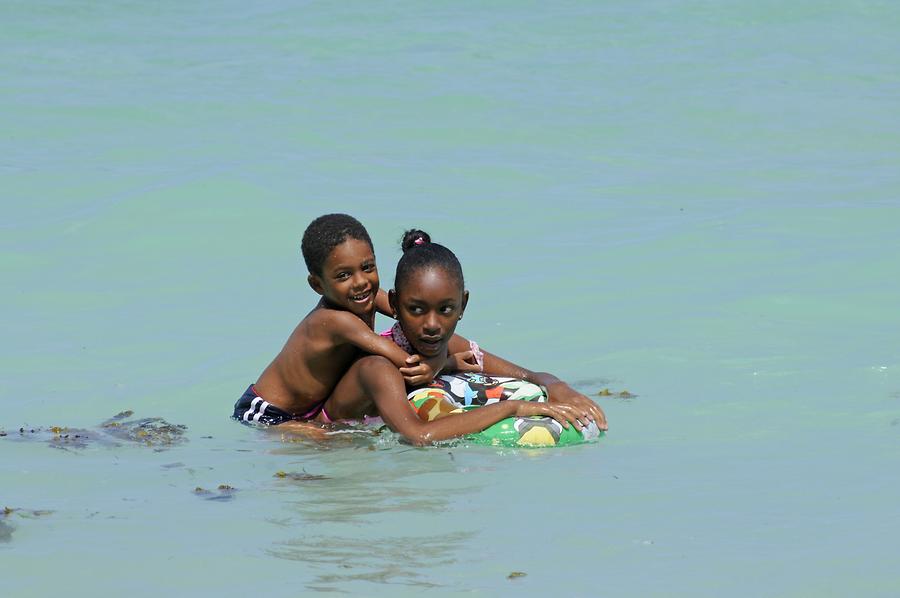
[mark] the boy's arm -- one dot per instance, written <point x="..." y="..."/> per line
<point x="558" y="391"/>
<point x="382" y="305"/>
<point x="347" y="328"/>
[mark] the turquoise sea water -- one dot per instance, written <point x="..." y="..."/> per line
<point x="698" y="202"/>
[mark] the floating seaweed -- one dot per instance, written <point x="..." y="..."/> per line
<point x="516" y="575"/>
<point x="225" y="492"/>
<point x="25" y="513"/>
<point x="300" y="477"/>
<point x="6" y="529"/>
<point x="150" y="431"/>
<point x="624" y="394"/>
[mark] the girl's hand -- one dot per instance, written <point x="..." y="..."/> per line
<point x="462" y="362"/>
<point x="564" y="414"/>
<point x="563" y="394"/>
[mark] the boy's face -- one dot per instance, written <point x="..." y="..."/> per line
<point x="428" y="308"/>
<point x="349" y="278"/>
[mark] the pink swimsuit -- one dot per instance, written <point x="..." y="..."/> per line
<point x="395" y="333"/>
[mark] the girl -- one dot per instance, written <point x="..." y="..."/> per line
<point x="428" y="300"/>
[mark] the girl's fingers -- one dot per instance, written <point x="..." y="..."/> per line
<point x="577" y="417"/>
<point x="564" y="414"/>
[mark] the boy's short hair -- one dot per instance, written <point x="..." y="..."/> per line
<point x="324" y="234"/>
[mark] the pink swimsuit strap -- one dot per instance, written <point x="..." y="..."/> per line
<point x="395" y="333"/>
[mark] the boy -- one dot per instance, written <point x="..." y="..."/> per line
<point x="297" y="384"/>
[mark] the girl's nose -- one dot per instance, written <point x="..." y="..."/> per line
<point x="431" y="324"/>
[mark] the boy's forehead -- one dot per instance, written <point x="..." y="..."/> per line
<point x="350" y="250"/>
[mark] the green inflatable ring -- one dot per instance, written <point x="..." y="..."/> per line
<point x="455" y="393"/>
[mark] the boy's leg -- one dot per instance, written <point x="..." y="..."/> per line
<point x="354" y="395"/>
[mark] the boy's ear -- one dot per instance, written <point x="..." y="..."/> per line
<point x="392" y="301"/>
<point x="315" y="283"/>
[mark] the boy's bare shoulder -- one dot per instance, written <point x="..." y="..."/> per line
<point x="332" y="320"/>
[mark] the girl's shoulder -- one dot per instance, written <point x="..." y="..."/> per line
<point x="395" y="333"/>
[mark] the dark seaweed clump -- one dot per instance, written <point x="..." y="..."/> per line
<point x="152" y="431"/>
<point x="225" y="492"/>
<point x="624" y="394"/>
<point x="149" y="431"/>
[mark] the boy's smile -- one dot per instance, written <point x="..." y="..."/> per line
<point x="428" y="308"/>
<point x="349" y="278"/>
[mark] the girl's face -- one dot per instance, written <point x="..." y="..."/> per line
<point x="429" y="306"/>
<point x="349" y="278"/>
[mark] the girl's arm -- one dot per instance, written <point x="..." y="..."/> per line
<point x="558" y="391"/>
<point x="402" y="418"/>
<point x="347" y="328"/>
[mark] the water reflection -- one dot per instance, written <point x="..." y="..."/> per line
<point x="372" y="517"/>
<point x="400" y="560"/>
<point x="6" y="531"/>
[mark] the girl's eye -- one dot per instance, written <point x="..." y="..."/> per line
<point x="448" y="309"/>
<point x="414" y="310"/>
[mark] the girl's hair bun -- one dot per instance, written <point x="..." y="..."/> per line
<point x="414" y="237"/>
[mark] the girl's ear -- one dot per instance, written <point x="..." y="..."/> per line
<point x="465" y="302"/>
<point x="392" y="301"/>
<point x="315" y="283"/>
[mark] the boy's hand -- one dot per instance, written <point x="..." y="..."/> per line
<point x="418" y="371"/>
<point x="563" y="394"/>
<point x="462" y="362"/>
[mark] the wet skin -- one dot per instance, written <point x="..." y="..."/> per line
<point x="429" y="307"/>
<point x="309" y="365"/>
<point x="337" y="332"/>
<point x="349" y="279"/>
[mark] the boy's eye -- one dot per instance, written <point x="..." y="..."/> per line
<point x="368" y="267"/>
<point x="343" y="275"/>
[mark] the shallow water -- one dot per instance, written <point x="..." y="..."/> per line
<point x="695" y="202"/>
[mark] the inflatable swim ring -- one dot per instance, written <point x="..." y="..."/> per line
<point x="455" y="393"/>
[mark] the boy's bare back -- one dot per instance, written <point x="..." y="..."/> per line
<point x="309" y="366"/>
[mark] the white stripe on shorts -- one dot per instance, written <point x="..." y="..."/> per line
<point x="249" y="412"/>
<point x="262" y="410"/>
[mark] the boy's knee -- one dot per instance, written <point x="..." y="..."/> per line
<point x="372" y="364"/>
<point x="376" y="374"/>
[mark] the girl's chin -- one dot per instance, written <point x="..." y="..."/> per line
<point x="430" y="350"/>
